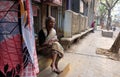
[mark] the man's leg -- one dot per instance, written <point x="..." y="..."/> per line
<point x="56" y="64"/>
<point x="54" y="57"/>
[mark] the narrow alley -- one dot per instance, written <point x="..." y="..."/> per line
<point x="85" y="62"/>
<point x="59" y="38"/>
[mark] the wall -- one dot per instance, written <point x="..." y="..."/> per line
<point x="74" y="23"/>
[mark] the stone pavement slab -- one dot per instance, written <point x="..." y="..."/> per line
<point x="86" y="63"/>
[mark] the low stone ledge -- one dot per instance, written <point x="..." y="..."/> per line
<point x="107" y="33"/>
<point x="66" y="42"/>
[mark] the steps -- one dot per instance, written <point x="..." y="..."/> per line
<point x="44" y="62"/>
<point x="65" y="71"/>
<point x="48" y="73"/>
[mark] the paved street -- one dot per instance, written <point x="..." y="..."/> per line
<point x="84" y="60"/>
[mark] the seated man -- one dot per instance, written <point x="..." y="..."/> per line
<point x="49" y="43"/>
<point x="93" y="26"/>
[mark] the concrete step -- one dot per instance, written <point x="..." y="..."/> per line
<point x="65" y="71"/>
<point x="48" y="73"/>
<point x="44" y="62"/>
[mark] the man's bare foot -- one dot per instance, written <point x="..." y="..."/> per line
<point x="53" y="68"/>
<point x="58" y="71"/>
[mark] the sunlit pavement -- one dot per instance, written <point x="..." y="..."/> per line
<point x="84" y="60"/>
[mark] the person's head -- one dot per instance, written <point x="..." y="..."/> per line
<point x="50" y="22"/>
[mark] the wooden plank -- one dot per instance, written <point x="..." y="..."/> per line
<point x="65" y="71"/>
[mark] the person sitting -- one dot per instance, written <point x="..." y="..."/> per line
<point x="48" y="41"/>
<point x="93" y="26"/>
<point x="114" y="28"/>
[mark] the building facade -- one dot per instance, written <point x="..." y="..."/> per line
<point x="48" y="8"/>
